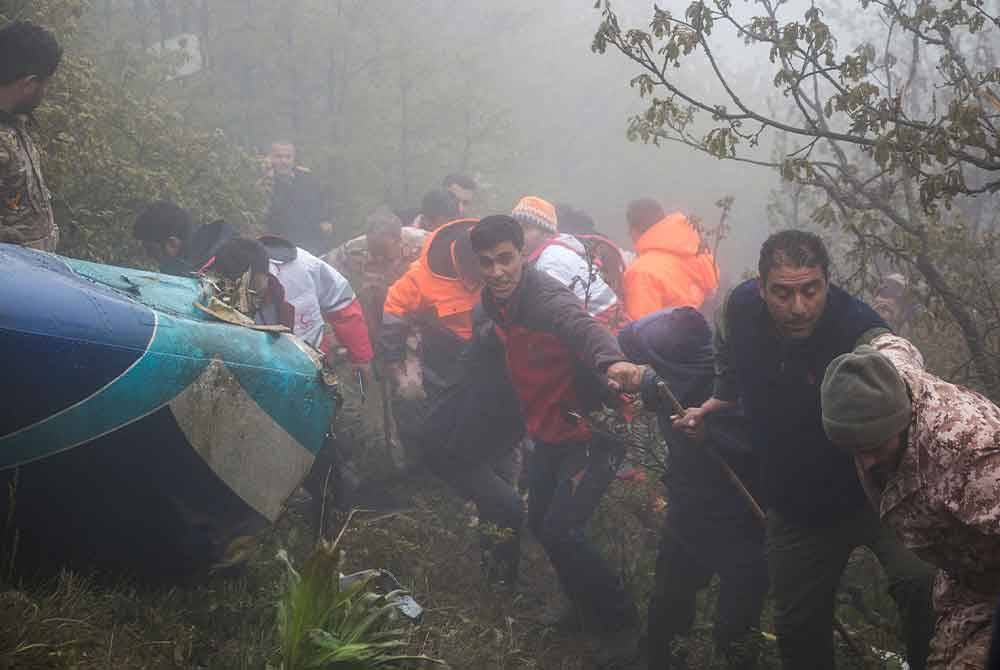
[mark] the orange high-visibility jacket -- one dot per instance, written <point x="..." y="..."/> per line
<point x="671" y="269"/>
<point x="430" y="291"/>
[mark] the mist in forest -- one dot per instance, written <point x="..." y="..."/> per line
<point x="385" y="98"/>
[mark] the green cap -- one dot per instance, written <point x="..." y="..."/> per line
<point x="865" y="401"/>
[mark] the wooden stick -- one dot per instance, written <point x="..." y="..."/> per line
<point x="752" y="503"/>
<point x="714" y="455"/>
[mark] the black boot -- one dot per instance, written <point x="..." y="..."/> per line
<point x="501" y="556"/>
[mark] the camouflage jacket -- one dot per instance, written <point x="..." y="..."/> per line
<point x="25" y="202"/>
<point x="351" y="259"/>
<point x="944" y="499"/>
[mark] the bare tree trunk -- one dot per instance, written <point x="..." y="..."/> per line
<point x="468" y="141"/>
<point x="296" y="97"/>
<point x="204" y="36"/>
<point x="141" y="14"/>
<point x="405" y="86"/>
<point x="164" y="20"/>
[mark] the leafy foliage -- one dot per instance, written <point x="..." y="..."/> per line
<point x="322" y="625"/>
<point x="885" y="126"/>
<point x="110" y="146"/>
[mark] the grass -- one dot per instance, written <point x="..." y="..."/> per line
<point x="230" y="621"/>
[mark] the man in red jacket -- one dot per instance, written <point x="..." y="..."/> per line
<point x="562" y="364"/>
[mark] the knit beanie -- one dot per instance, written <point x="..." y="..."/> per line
<point x="865" y="401"/>
<point x="533" y="211"/>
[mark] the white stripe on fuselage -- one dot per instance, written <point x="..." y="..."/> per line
<point x="245" y="447"/>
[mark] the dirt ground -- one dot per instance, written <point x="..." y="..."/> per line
<point x="423" y="534"/>
<point x="226" y="621"/>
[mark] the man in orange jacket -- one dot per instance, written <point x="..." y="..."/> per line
<point x="436" y="295"/>
<point x="672" y="269"/>
<point x="457" y="411"/>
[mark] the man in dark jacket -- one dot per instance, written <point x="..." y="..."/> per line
<point x="710" y="528"/>
<point x="299" y="210"/>
<point x="562" y="363"/>
<point x="775" y="339"/>
<point x="171" y="238"/>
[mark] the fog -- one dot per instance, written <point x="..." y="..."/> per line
<point x="384" y="98"/>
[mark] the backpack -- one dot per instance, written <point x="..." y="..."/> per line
<point x="605" y="257"/>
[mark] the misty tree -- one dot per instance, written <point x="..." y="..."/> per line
<point x="110" y="144"/>
<point x="372" y="94"/>
<point x="887" y="124"/>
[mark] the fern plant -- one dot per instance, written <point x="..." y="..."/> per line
<point x="324" y="626"/>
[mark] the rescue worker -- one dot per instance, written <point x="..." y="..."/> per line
<point x="562" y="363"/>
<point x="564" y="258"/>
<point x="776" y="336"/>
<point x="371" y="263"/>
<point x="671" y="268"/>
<point x="170" y="237"/>
<point x="710" y="529"/>
<point x="299" y="210"/>
<point x="463" y="187"/>
<point x="457" y="411"/>
<point x="928" y="454"/>
<point x="435" y="297"/>
<point x="300" y="289"/>
<point x="29" y="56"/>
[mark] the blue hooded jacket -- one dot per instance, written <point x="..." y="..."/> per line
<point x="677" y="344"/>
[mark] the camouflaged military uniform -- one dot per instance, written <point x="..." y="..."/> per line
<point x="25" y="202"/>
<point x="353" y="261"/>
<point x="944" y="502"/>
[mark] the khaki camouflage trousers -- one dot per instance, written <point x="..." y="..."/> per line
<point x="964" y="626"/>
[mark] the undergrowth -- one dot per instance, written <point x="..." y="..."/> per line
<point x="229" y="620"/>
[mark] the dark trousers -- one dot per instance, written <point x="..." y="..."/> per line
<point x="993" y="662"/>
<point x="566" y="482"/>
<point x="806" y="563"/>
<point x="492" y="487"/>
<point x="691" y="552"/>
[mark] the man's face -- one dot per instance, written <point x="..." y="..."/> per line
<point x="501" y="268"/>
<point x="533" y="238"/>
<point x="464" y="197"/>
<point x="795" y="298"/>
<point x="385" y="250"/>
<point x="880" y="462"/>
<point x="282" y="159"/>
<point x="31" y="91"/>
